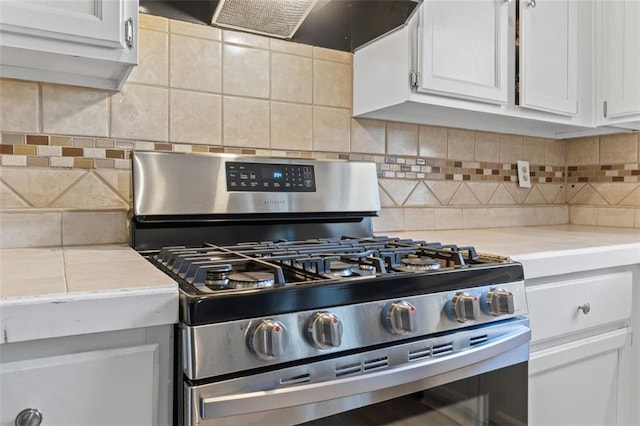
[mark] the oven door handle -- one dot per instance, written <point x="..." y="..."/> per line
<point x="252" y="402"/>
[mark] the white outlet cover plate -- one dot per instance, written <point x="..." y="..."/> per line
<point x="524" y="174"/>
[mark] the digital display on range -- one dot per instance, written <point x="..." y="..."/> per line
<point x="270" y="177"/>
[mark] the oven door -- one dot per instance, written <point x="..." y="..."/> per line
<point x="471" y="377"/>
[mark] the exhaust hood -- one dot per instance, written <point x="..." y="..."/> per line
<point x="334" y="24"/>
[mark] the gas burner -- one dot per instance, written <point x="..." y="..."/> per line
<point x="341" y="269"/>
<point x="420" y="264"/>
<point x="254" y="279"/>
<point x="218" y="276"/>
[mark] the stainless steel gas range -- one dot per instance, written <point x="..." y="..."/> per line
<point x="293" y="311"/>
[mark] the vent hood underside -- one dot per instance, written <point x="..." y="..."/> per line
<point x="334" y="24"/>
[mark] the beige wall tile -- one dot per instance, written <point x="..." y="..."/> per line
<point x="331" y="129"/>
<point x="531" y="216"/>
<point x="496" y="217"/>
<point x="483" y="190"/>
<point x="582" y="151"/>
<point x="398" y="189"/>
<point x="614" y="192"/>
<point x="291" y="126"/>
<point x="74" y="110"/>
<point x="502" y="196"/>
<point x="290" y="47"/>
<point x="555" y="153"/>
<point x="368" y="136"/>
<point x="637" y="218"/>
<point x="620" y="217"/>
<point x="385" y="199"/>
<point x="534" y="150"/>
<point x="89" y="192"/>
<point x="9" y="199"/>
<point x="332" y="55"/>
<point x="118" y="180"/>
<point x="421" y="196"/>
<point x="582" y="215"/>
<point x="195" y="117"/>
<point x="432" y="142"/>
<point x="444" y="189"/>
<point x="560" y="215"/>
<point x="552" y="192"/>
<point x="25" y="229"/>
<point x="332" y="84"/>
<point x="448" y="218"/>
<point x="389" y="219"/>
<point x="246" y="122"/>
<point x="464" y="197"/>
<point x="140" y="112"/>
<point x="419" y="219"/>
<point x="245" y="39"/>
<point x="94" y="227"/>
<point x="153" y="59"/>
<point x="195" y="30"/>
<point x="620" y="148"/>
<point x="39" y="186"/>
<point x="633" y="199"/>
<point x="510" y="148"/>
<point x="20" y="107"/>
<point x="402" y="139"/>
<point x="587" y="195"/>
<point x="487" y="147"/>
<point x="461" y="144"/>
<point x="245" y="71"/>
<point x="152" y="22"/>
<point x="196" y="64"/>
<point x="291" y="78"/>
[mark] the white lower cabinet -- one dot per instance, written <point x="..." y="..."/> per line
<point x="117" y="378"/>
<point x="580" y="349"/>
<point x="577" y="383"/>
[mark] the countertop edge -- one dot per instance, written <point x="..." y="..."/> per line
<point x="49" y="316"/>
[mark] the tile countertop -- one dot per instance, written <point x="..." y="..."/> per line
<point x="62" y="291"/>
<point x="547" y="250"/>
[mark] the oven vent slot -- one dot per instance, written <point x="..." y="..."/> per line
<point x="375" y="363"/>
<point x="447" y="348"/>
<point x="302" y="378"/>
<point x="421" y="353"/>
<point x="478" y="340"/>
<point x="348" y="369"/>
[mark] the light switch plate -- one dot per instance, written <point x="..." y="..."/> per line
<point x="524" y="174"/>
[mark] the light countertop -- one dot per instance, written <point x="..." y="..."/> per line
<point x="547" y="250"/>
<point x="61" y="291"/>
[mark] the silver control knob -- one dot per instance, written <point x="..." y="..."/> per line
<point x="324" y="330"/>
<point x="268" y="339"/>
<point x="500" y="302"/>
<point x="400" y="317"/>
<point x="465" y="307"/>
<point x="29" y="417"/>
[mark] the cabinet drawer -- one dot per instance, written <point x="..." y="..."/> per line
<point x="554" y="308"/>
<point x="105" y="387"/>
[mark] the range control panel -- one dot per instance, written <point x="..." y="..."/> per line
<point x="270" y="177"/>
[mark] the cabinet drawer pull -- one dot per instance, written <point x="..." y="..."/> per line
<point x="128" y="33"/>
<point x="29" y="417"/>
<point x="586" y="308"/>
<point x="531" y="3"/>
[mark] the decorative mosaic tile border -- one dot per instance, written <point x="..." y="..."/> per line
<point x="629" y="172"/>
<point x="37" y="150"/>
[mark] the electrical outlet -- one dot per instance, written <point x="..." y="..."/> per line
<point x="524" y="174"/>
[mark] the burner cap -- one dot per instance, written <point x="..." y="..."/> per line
<point x="420" y="263"/>
<point x="342" y="269"/>
<point x="257" y="279"/>
<point x="217" y="277"/>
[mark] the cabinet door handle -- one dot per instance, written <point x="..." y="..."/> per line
<point x="531" y="3"/>
<point x="586" y="308"/>
<point x="128" y="33"/>
<point x="29" y="417"/>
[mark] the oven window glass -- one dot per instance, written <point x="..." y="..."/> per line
<point x="495" y="398"/>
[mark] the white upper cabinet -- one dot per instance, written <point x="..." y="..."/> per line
<point x="80" y="42"/>
<point x="620" y="61"/>
<point x="463" y="49"/>
<point x="548" y="47"/>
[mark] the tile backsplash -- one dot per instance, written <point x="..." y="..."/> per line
<point x="67" y="149"/>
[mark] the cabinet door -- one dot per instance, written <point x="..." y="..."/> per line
<point x="621" y="58"/>
<point x="549" y="55"/>
<point x="577" y="383"/>
<point x="106" y="387"/>
<point x="463" y="49"/>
